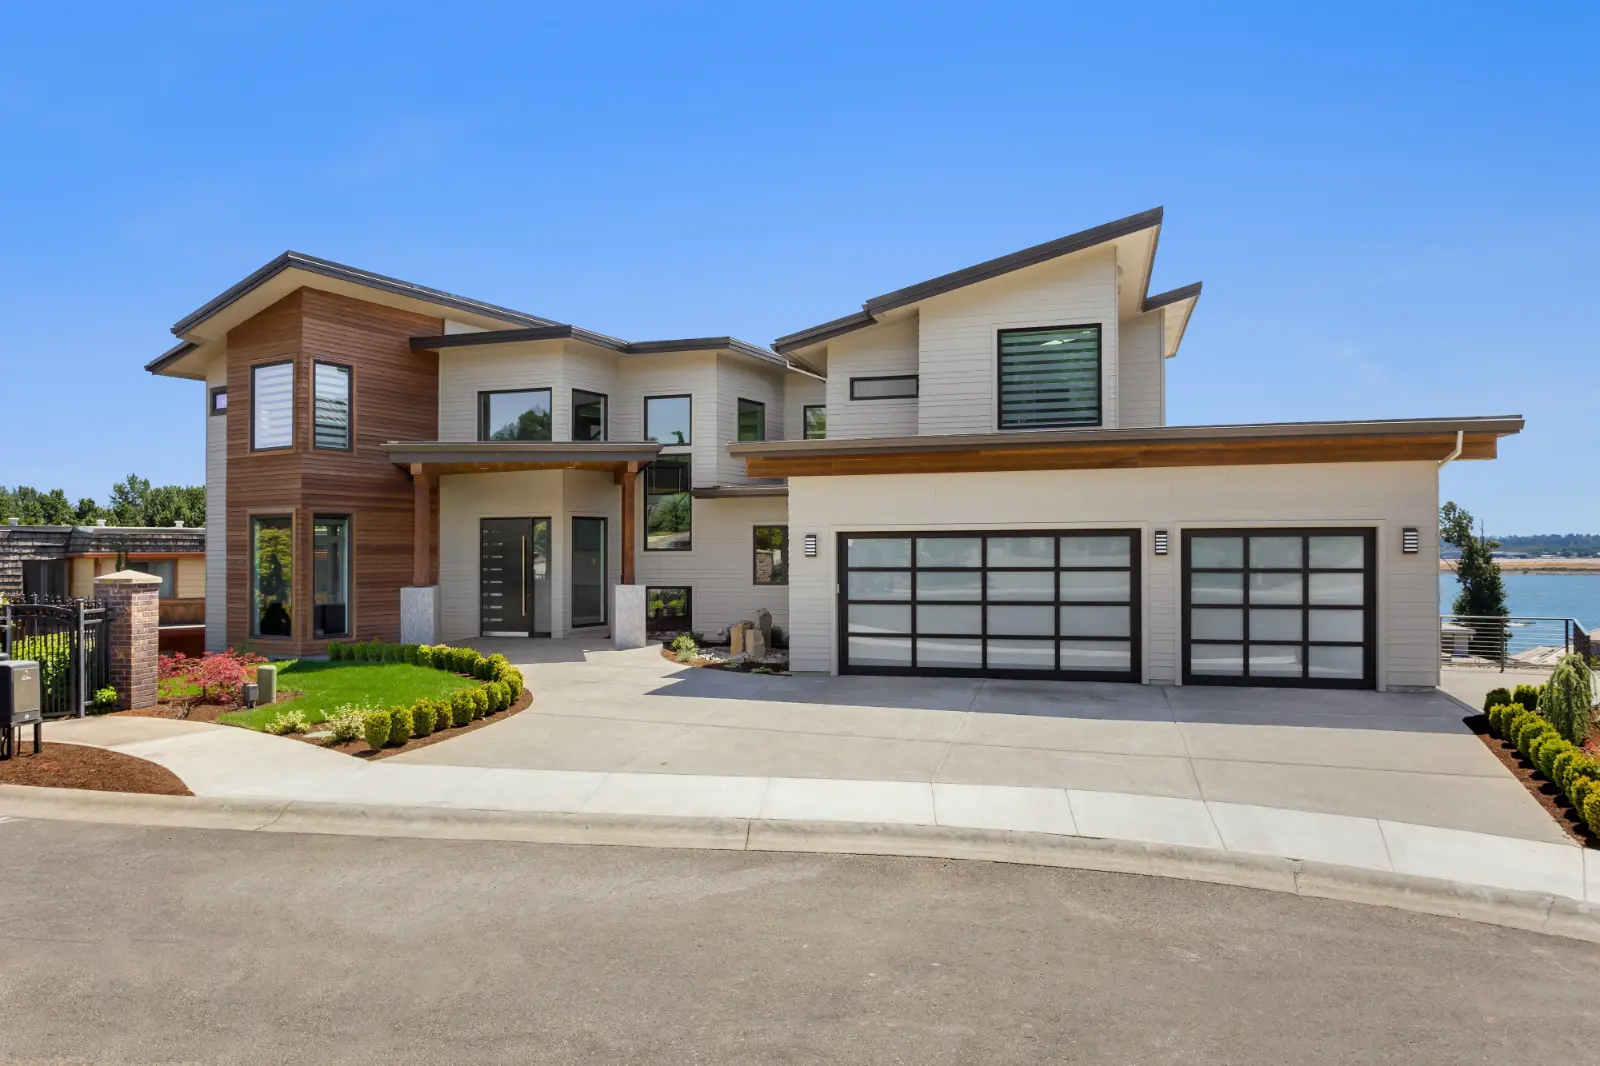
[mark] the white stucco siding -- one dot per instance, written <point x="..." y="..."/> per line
<point x="1384" y="496"/>
<point x="720" y="567"/>
<point x="216" y="565"/>
<point x="885" y="350"/>
<point x="1140" y="369"/>
<point x="738" y="379"/>
<point x="799" y="392"/>
<point x="958" y="354"/>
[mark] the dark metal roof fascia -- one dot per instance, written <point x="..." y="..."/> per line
<point x="170" y="356"/>
<point x="338" y="271"/>
<point x="827" y="331"/>
<point x="1500" y="425"/>
<point x="738" y="492"/>
<point x="554" y="331"/>
<point x="520" y="451"/>
<point x="1171" y="296"/>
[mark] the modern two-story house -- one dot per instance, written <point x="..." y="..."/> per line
<point x="970" y="475"/>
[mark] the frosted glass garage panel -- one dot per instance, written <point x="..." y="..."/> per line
<point x="949" y="653"/>
<point x="1272" y="552"/>
<point x="1271" y="624"/>
<point x="1216" y="588"/>
<point x="1216" y="623"/>
<point x="1329" y="589"/>
<point x="1276" y="660"/>
<point x="1338" y="664"/>
<point x="935" y="618"/>
<point x="1218" y="660"/>
<point x="879" y="586"/>
<point x="1022" y="551"/>
<point x="1022" y="654"/>
<point x="878" y="551"/>
<point x="879" y="618"/>
<point x="1022" y="621"/>
<point x="1346" y="627"/>
<point x="949" y="551"/>
<point x="1216" y="553"/>
<point x="1106" y="656"/>
<point x="879" y="651"/>
<point x="937" y="585"/>
<point x="1338" y="553"/>
<point x="1287" y="589"/>
<point x="1112" y="586"/>
<point x="1096" y="551"/>
<point x="1095" y="621"/>
<point x="1035" y="585"/>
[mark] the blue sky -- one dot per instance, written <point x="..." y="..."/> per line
<point x="1392" y="206"/>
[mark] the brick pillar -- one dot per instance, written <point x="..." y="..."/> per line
<point x="133" y="618"/>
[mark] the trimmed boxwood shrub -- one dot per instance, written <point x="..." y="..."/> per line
<point x="408" y="653"/>
<point x="1496" y="713"/>
<point x="480" y="701"/>
<point x="1591" y="810"/>
<point x="335" y="652"/>
<point x="1550" y="748"/>
<point x="461" y="708"/>
<point x="1582" y="788"/>
<point x="1527" y="695"/>
<point x="423" y="717"/>
<point x="376" y="726"/>
<point x="442" y="717"/>
<point x="401" y="723"/>
<point x="424" y="655"/>
<point x="1496" y="697"/>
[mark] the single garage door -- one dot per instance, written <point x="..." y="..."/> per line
<point x="1048" y="604"/>
<point x="1279" y="607"/>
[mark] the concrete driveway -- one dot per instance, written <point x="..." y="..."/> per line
<point x="1405" y="757"/>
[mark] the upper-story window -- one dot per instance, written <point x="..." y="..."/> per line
<point x="330" y="406"/>
<point x="752" y="420"/>
<point x="815" y="417"/>
<point x="1049" y="377"/>
<point x="219" y="400"/>
<point x="666" y="419"/>
<point x="520" y="415"/>
<point x="272" y="405"/>
<point x="588" y="415"/>
<point x="899" y="387"/>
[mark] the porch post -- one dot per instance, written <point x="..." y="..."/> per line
<point x="419" y="602"/>
<point x="628" y="607"/>
<point x="630" y="476"/>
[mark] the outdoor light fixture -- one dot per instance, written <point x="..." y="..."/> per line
<point x="1158" y="542"/>
<point x="811" y="545"/>
<point x="1410" y="541"/>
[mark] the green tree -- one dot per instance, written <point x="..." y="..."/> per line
<point x="133" y="503"/>
<point x="1483" y="592"/>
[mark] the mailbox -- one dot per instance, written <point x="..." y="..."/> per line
<point x="19" y="704"/>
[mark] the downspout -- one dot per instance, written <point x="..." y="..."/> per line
<point x="1456" y="453"/>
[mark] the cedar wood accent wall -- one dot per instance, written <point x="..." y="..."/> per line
<point x="395" y="393"/>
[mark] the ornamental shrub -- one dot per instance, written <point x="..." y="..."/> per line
<point x="499" y="696"/>
<point x="400" y="723"/>
<point x="1591" y="810"/>
<point x="1561" y="766"/>
<point x="461" y="707"/>
<point x="408" y="653"/>
<point x="105" y="699"/>
<point x="1549" y="747"/>
<point x="1569" y="696"/>
<point x="480" y="701"/>
<point x="376" y="726"/>
<point x="423" y="717"/>
<point x="1496" y="697"/>
<point x="1527" y="695"/>
<point x="1532" y="726"/>
<point x="346" y="723"/>
<point x="424" y="655"/>
<point x="1582" y="788"/>
<point x="335" y="651"/>
<point x="442" y="719"/>
<point x="1496" y="713"/>
<point x="288" y="722"/>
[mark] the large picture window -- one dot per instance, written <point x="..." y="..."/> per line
<point x="771" y="555"/>
<point x="668" y="508"/>
<point x="666" y="419"/>
<point x="816" y="422"/>
<point x="271" y="575"/>
<point x="752" y="420"/>
<point x="330" y="575"/>
<point x="272" y="406"/>
<point x="1049" y="377"/>
<point x="588" y="415"/>
<point x="330" y="425"/>
<point x="520" y="415"/>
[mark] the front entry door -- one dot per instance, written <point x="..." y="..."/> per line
<point x="514" y="577"/>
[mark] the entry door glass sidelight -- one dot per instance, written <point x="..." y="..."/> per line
<point x="588" y="571"/>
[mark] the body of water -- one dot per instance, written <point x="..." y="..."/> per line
<point x="1541" y="595"/>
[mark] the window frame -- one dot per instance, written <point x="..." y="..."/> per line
<point x="805" y="421"/>
<point x="688" y="492"/>
<point x="1099" y="372"/>
<point x="739" y="411"/>
<point x="755" y="548"/>
<point x="168" y="592"/>
<point x="669" y="396"/>
<point x="349" y="405"/>
<point x="916" y="388"/>
<point x="255" y="575"/>
<point x="688" y="605"/>
<point x="605" y="416"/>
<point x="347" y="580"/>
<point x="605" y="570"/>
<point x="483" y="412"/>
<point x="212" y="395"/>
<point x="255" y="398"/>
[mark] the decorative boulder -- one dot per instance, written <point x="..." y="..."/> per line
<point x="755" y="645"/>
<point x="736" y="638"/>
<point x="762" y="620"/>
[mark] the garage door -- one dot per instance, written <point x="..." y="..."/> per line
<point x="1279" y="607"/>
<point x="1051" y="604"/>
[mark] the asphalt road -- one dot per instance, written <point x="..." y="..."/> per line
<point x="130" y="945"/>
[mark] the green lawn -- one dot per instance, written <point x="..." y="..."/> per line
<point x="328" y="686"/>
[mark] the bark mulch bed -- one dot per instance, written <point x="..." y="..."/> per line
<point x="361" y="750"/>
<point x="80" y="766"/>
<point x="192" y="712"/>
<point x="1549" y="797"/>
<point x="743" y="666"/>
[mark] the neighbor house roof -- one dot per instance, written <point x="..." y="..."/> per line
<point x="993" y="268"/>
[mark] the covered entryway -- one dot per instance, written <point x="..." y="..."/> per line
<point x="514" y="577"/>
<point x="1028" y="603"/>
<point x="1280" y="607"/>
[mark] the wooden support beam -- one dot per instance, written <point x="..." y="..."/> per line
<point x="629" y="479"/>
<point x="422" y="528"/>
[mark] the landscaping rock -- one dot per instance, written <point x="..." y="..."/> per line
<point x="736" y="638"/>
<point x="762" y="620"/>
<point x="755" y="644"/>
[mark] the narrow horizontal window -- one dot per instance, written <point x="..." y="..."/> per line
<point x="330" y="411"/>
<point x="895" y="388"/>
<point x="520" y="415"/>
<point x="1049" y="377"/>
<point x="272" y="406"/>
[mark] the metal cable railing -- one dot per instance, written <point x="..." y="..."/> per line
<point x="1515" y="641"/>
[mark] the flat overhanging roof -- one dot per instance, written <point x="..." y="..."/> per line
<point x="491" y="456"/>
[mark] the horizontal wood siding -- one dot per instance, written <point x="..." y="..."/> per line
<point x="739" y="378"/>
<point x="216" y="562"/>
<point x="721" y="567"/>
<point x="880" y="351"/>
<point x="1140" y="370"/>
<point x="799" y="392"/>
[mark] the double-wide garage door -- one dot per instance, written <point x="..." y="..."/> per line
<point x="1061" y="604"/>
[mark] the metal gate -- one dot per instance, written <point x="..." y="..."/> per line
<point x="68" y="639"/>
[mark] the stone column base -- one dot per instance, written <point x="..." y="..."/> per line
<point x="627" y="617"/>
<point x="419" y="614"/>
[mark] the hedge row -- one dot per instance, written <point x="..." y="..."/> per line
<point x="501" y="687"/>
<point x="1561" y="762"/>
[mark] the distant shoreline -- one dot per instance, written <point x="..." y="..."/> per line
<point x="1537" y="566"/>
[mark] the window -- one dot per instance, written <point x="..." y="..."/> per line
<point x="520" y="415"/>
<point x="667" y="506"/>
<point x="666" y="419"/>
<point x="752" y="420"/>
<point x="772" y="555"/>
<point x="165" y="569"/>
<point x="588" y="571"/>
<point x="1049" y="377"/>
<point x="272" y="400"/>
<point x="219" y="400"/>
<point x="271" y="575"/>
<point x="330" y="575"/>
<point x="816" y="422"/>
<point x="895" y="388"/>
<point x="330" y="410"/>
<point x="588" y="415"/>
<point x="44" y="578"/>
<point x="668" y="610"/>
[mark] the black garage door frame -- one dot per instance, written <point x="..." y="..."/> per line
<point x="1369" y="607"/>
<point x="1135" y="604"/>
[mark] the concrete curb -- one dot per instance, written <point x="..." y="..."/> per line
<point x="1534" y="911"/>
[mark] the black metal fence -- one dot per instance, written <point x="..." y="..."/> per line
<point x="69" y="641"/>
<point x="1511" y="641"/>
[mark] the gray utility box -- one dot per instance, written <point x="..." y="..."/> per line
<point x="19" y="704"/>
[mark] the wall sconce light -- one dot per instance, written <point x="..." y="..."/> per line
<point x="1410" y="540"/>
<point x="1158" y="542"/>
<point x="811" y="545"/>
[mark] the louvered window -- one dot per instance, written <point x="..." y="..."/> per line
<point x="272" y="403"/>
<point x="1049" y="377"/>
<point x="331" y="424"/>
